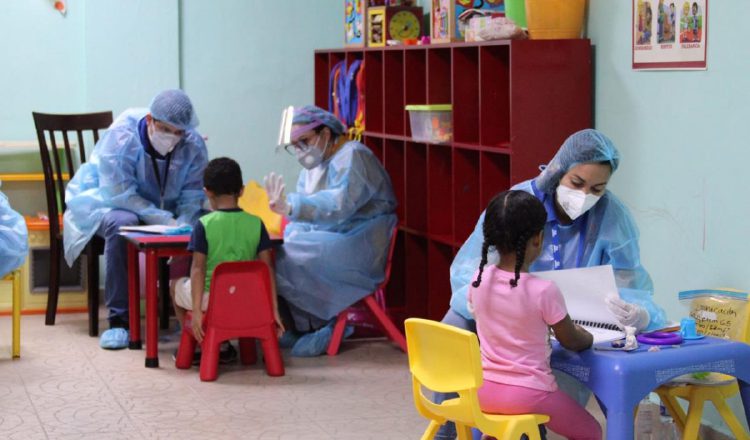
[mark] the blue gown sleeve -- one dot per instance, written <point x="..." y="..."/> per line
<point x="14" y="238"/>
<point x="349" y="188"/>
<point x="191" y="195"/>
<point x="117" y="177"/>
<point x="623" y="253"/>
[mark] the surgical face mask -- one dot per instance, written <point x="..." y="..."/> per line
<point x="162" y="142"/>
<point x="309" y="156"/>
<point x="575" y="202"/>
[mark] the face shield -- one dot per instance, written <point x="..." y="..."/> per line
<point x="285" y="130"/>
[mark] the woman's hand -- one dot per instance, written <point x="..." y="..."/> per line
<point x="275" y="187"/>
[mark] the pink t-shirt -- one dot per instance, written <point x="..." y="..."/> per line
<point x="512" y="324"/>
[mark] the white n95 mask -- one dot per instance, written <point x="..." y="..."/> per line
<point x="162" y="142"/>
<point x="309" y="157"/>
<point x="575" y="202"/>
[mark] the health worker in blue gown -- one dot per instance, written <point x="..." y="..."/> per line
<point x="14" y="238"/>
<point x="147" y="168"/>
<point x="587" y="225"/>
<point x="341" y="217"/>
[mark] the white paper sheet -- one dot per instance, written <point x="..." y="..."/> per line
<point x="585" y="290"/>
<point x="150" y="229"/>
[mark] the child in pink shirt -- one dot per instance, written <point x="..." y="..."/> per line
<point x="514" y="311"/>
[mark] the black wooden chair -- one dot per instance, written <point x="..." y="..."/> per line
<point x="50" y="128"/>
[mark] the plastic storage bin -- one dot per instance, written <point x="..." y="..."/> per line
<point x="431" y="123"/>
<point x="555" y="19"/>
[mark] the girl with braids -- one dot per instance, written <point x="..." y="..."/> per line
<point x="586" y="225"/>
<point x="514" y="311"/>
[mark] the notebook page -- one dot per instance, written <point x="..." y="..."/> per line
<point x="585" y="290"/>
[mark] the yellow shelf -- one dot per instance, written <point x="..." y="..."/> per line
<point x="26" y="177"/>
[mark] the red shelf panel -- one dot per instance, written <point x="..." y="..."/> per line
<point x="393" y="74"/>
<point x="416" y="275"/>
<point x="494" y="99"/>
<point x="440" y="205"/>
<point x="376" y="146"/>
<point x="415" y="91"/>
<point x="374" y="91"/>
<point x="465" y="192"/>
<point x="439" y="258"/>
<point x="321" y="79"/>
<point x="438" y="76"/>
<point x="395" y="292"/>
<point x="394" y="164"/>
<point x="416" y="186"/>
<point x="465" y="74"/>
<point x="494" y="176"/>
<point x="551" y="98"/>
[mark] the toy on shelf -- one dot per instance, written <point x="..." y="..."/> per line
<point x="444" y="18"/>
<point x="393" y="23"/>
<point x="355" y="12"/>
<point x="431" y="123"/>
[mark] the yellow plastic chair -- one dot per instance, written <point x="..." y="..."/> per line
<point x="15" y="278"/>
<point x="255" y="201"/>
<point x="720" y="388"/>
<point x="446" y="359"/>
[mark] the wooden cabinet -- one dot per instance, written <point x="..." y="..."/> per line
<point x="514" y="102"/>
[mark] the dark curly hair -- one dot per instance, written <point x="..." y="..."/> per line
<point x="512" y="218"/>
<point x="223" y="176"/>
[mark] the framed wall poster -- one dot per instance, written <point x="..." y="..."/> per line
<point x="670" y="34"/>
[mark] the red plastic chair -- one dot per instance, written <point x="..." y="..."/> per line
<point x="240" y="307"/>
<point x="375" y="304"/>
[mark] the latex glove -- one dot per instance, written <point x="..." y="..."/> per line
<point x="274" y="184"/>
<point x="629" y="315"/>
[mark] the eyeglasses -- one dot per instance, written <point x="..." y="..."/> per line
<point x="301" y="146"/>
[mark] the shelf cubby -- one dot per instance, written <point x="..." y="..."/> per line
<point x="466" y="193"/>
<point x="494" y="100"/>
<point x="439" y="260"/>
<point x="394" y="164"/>
<point x="514" y="102"/>
<point x="494" y="176"/>
<point x="416" y="186"/>
<point x="465" y="79"/>
<point x="374" y="113"/>
<point x="438" y="76"/>
<point x="415" y="91"/>
<point x="375" y="144"/>
<point x="393" y="74"/>
<point x="416" y="274"/>
<point x="439" y="204"/>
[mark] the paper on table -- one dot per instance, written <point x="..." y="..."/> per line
<point x="585" y="290"/>
<point x="149" y="229"/>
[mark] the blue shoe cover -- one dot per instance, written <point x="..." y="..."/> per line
<point x="114" y="339"/>
<point x="288" y="339"/>
<point x="314" y="343"/>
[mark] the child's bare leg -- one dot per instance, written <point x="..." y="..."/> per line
<point x="179" y="312"/>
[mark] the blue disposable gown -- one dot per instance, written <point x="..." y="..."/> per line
<point x="611" y="238"/>
<point x="120" y="175"/>
<point x="14" y="238"/>
<point x="336" y="244"/>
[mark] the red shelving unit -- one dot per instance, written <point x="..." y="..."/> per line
<point x="514" y="102"/>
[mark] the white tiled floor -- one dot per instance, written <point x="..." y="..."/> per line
<point x="66" y="387"/>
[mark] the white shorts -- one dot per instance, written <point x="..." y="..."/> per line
<point x="184" y="297"/>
